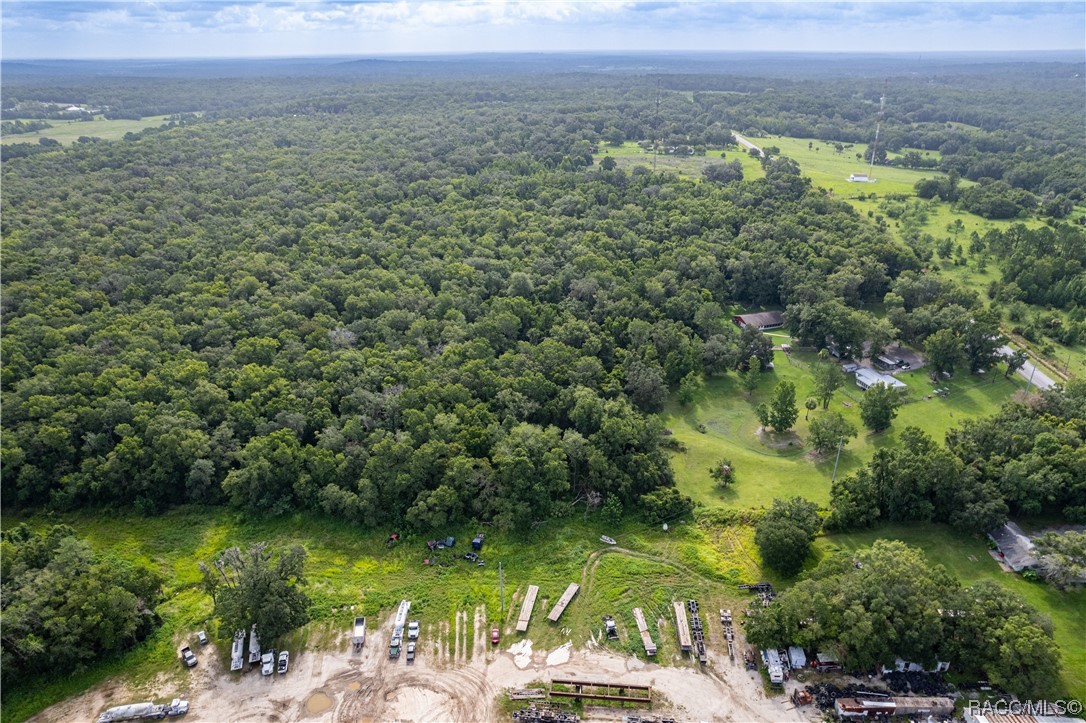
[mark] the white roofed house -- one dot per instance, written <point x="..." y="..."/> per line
<point x="866" y="378"/>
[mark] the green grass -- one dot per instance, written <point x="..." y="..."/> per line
<point x="349" y="567"/>
<point x="629" y="155"/>
<point x="764" y="473"/>
<point x="967" y="559"/>
<point x="67" y="131"/>
<point x="831" y="170"/>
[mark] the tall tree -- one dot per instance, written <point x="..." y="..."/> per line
<point x="750" y="378"/>
<point x="785" y="533"/>
<point x="828" y="378"/>
<point x="254" y="588"/>
<point x="944" y="351"/>
<point x="828" y="429"/>
<point x="783" y="411"/>
<point x="879" y="406"/>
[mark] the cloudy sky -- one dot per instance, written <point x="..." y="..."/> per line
<point x="221" y="28"/>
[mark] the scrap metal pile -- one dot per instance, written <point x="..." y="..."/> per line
<point x="826" y="694"/>
<point x="544" y="714"/>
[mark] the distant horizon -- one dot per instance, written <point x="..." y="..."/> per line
<point x="234" y="29"/>
<point x="602" y="52"/>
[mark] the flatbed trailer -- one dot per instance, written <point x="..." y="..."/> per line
<point x="527" y="608"/>
<point x="643" y="628"/>
<point x="683" y="627"/>
<point x="560" y="606"/>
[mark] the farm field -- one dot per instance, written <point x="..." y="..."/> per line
<point x="764" y="472"/>
<point x="68" y="131"/>
<point x="968" y="560"/>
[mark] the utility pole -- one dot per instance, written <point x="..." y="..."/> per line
<point x="840" y="443"/>
<point x="501" y="589"/>
<point x="1030" y="382"/>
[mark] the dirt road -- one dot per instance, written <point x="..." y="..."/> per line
<point x="457" y="676"/>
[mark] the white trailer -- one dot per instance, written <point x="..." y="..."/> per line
<point x="401" y="618"/>
<point x="397" y="629"/>
<point x="359" y="638"/>
<point x="254" y="645"/>
<point x="141" y="711"/>
<point x="237" y="651"/>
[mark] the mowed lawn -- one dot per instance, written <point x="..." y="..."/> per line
<point x="968" y="559"/>
<point x="68" y="131"/>
<point x="777" y="469"/>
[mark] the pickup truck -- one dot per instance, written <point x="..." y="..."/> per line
<point x="188" y="657"/>
<point x="267" y="663"/>
<point x="413" y="630"/>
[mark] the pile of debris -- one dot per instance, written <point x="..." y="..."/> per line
<point x="930" y="684"/>
<point x="642" y="719"/>
<point x="763" y="590"/>
<point x="826" y="694"/>
<point x="544" y="714"/>
<point x="698" y="630"/>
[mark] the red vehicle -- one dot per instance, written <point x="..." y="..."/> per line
<point x="493" y="636"/>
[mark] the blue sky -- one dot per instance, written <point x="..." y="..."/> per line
<point x="227" y="28"/>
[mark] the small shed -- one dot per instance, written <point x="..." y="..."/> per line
<point x="796" y="657"/>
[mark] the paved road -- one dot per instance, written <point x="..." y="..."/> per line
<point x="747" y="144"/>
<point x="1029" y="371"/>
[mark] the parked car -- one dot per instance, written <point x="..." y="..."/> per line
<point x="494" y="636"/>
<point x="201" y="637"/>
<point x="284" y="662"/>
<point x="410" y="653"/>
<point x="267" y="663"/>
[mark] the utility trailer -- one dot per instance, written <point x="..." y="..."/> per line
<point x="144" y="711"/>
<point x="237" y="651"/>
<point x="359" y="638"/>
<point x="397" y="629"/>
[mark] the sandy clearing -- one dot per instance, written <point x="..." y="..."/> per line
<point x="339" y="685"/>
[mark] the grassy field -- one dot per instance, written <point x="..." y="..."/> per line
<point x="968" y="559"/>
<point x="351" y="572"/>
<point x="67" y="131"/>
<point x="630" y="155"/>
<point x="776" y="470"/>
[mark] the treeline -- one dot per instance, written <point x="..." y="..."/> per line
<point x="63" y="607"/>
<point x="1028" y="459"/>
<point x="1044" y="266"/>
<point x="390" y="314"/>
<point x="886" y="602"/>
<point x="16" y="127"/>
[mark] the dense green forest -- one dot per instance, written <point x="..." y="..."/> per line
<point x="408" y="297"/>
